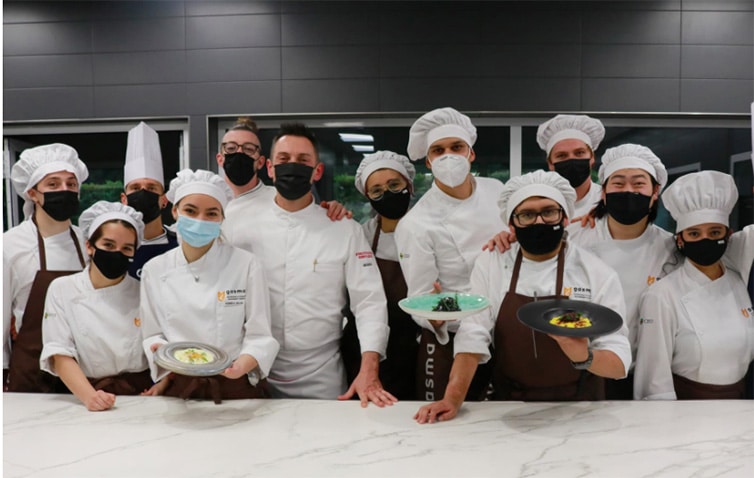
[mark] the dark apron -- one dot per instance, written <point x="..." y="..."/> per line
<point x="548" y="376"/>
<point x="24" y="374"/>
<point x="398" y="370"/>
<point x="216" y="388"/>
<point x="686" y="389"/>
<point x="126" y="383"/>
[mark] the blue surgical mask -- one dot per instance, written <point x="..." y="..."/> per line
<point x="195" y="232"/>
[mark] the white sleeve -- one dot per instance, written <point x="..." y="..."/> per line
<point x="653" y="375"/>
<point x="151" y="329"/>
<point x="258" y="341"/>
<point x="417" y="260"/>
<point x="7" y="312"/>
<point x="475" y="332"/>
<point x="740" y="251"/>
<point x="367" y="295"/>
<point x="57" y="338"/>
<point x="607" y="291"/>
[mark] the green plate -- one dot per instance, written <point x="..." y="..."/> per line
<point x="421" y="305"/>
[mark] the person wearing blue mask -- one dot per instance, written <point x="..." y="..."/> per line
<point x="210" y="292"/>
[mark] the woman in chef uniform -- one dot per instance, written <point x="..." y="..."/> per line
<point x="529" y="365"/>
<point x="91" y="331"/>
<point x="386" y="179"/>
<point x="696" y="334"/>
<point x="207" y="291"/>
<point x="45" y="246"/>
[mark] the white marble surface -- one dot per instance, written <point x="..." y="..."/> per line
<point x="55" y="436"/>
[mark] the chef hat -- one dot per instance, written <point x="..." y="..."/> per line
<point x="438" y="124"/>
<point x="143" y="155"/>
<point x="636" y="156"/>
<point x="538" y="183"/>
<point x="382" y="160"/>
<point x="199" y="182"/>
<point x="700" y="198"/>
<point x="103" y="211"/>
<point x="582" y="127"/>
<point x="36" y="163"/>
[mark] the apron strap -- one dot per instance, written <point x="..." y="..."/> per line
<point x="516" y="268"/>
<point x="41" y="244"/>
<point x="376" y="237"/>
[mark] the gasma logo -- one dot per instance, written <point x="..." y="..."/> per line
<point x="221" y="296"/>
<point x="567" y="291"/>
<point x="651" y="280"/>
<point x="747" y="312"/>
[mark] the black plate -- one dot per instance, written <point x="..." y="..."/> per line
<point x="537" y="315"/>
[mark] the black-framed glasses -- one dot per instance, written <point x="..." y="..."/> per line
<point x="249" y="149"/>
<point x="394" y="186"/>
<point x="549" y="216"/>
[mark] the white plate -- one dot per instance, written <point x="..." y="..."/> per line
<point x="165" y="358"/>
<point x="422" y="305"/>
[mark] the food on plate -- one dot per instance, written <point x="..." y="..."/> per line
<point x="194" y="356"/>
<point x="447" y="304"/>
<point x="572" y="320"/>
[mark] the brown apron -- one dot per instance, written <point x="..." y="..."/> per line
<point x="548" y="376"/>
<point x="24" y="374"/>
<point x="216" y="388"/>
<point x="398" y="370"/>
<point x="126" y="383"/>
<point x="686" y="389"/>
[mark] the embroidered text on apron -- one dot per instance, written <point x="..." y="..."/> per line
<point x="25" y="375"/>
<point x="686" y="389"/>
<point x="518" y="374"/>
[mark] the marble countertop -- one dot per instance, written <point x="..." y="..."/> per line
<point x="55" y="436"/>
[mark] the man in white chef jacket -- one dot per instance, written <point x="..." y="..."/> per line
<point x="144" y="190"/>
<point x="570" y="142"/>
<point x="311" y="263"/>
<point x="441" y="236"/>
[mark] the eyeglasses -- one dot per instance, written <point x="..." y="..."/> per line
<point x="549" y="216"/>
<point x="394" y="186"/>
<point x="249" y="149"/>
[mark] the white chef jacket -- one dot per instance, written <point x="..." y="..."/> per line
<point x="589" y="201"/>
<point x="694" y="327"/>
<point x="639" y="262"/>
<point x="241" y="210"/>
<point x="21" y="263"/>
<point x="311" y="263"/>
<point x="441" y="237"/>
<point x="386" y="247"/>
<point x="740" y="252"/>
<point x="585" y="277"/>
<point x="220" y="299"/>
<point x="99" y="328"/>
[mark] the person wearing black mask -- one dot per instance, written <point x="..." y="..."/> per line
<point x="570" y="142"/>
<point x="312" y="265"/>
<point x="145" y="191"/>
<point x="696" y="337"/>
<point x="91" y="332"/>
<point x="44" y="246"/>
<point x="624" y="235"/>
<point x="385" y="179"/>
<point x="529" y="365"/>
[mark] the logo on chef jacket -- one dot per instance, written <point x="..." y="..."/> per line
<point x="365" y="256"/>
<point x="137" y="321"/>
<point x="747" y="312"/>
<point x="231" y="296"/>
<point x="651" y="280"/>
<point x="577" y="293"/>
<point x="403" y="256"/>
<point x="643" y="321"/>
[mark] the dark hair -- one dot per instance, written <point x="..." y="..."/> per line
<point x="295" y="129"/>
<point x="601" y="209"/>
<point x="245" y="123"/>
<point x="97" y="234"/>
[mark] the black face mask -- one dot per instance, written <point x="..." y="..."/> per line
<point x="239" y="168"/>
<point x="293" y="180"/>
<point x="146" y="202"/>
<point x="576" y="171"/>
<point x="539" y="238"/>
<point x="112" y="264"/>
<point x="627" y="208"/>
<point x="392" y="205"/>
<point x="704" y="252"/>
<point x="61" y="205"/>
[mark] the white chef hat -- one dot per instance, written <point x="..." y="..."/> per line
<point x="103" y="211"/>
<point x="541" y="183"/>
<point x="700" y="198"/>
<point x="438" y="124"/>
<point x="628" y="156"/>
<point x="199" y="182"/>
<point x="143" y="155"/>
<point x="383" y="160"/>
<point x="36" y="163"/>
<point x="582" y="127"/>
